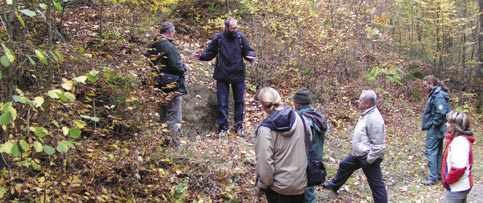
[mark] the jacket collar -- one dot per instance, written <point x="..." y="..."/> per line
<point x="228" y="35"/>
<point x="367" y="111"/>
<point x="305" y="108"/>
<point x="467" y="134"/>
<point x="435" y="90"/>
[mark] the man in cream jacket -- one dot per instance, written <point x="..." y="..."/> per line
<point x="368" y="146"/>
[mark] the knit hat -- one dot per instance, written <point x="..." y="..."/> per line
<point x="302" y="96"/>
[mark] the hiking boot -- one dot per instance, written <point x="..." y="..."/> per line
<point x="222" y="133"/>
<point x="327" y="186"/>
<point x="175" y="143"/>
<point x="239" y="132"/>
<point x="428" y="182"/>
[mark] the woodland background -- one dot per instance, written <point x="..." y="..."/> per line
<point x="77" y="103"/>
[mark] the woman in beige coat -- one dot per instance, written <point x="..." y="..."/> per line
<point x="280" y="151"/>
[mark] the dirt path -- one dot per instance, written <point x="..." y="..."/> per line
<point x="476" y="194"/>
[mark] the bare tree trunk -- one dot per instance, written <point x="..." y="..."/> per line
<point x="463" y="57"/>
<point x="45" y="113"/>
<point x="331" y="15"/>
<point x="8" y="19"/>
<point x="480" y="56"/>
<point x="227" y="6"/>
<point x="101" y="13"/>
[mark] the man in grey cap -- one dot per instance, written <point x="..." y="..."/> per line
<point x="318" y="124"/>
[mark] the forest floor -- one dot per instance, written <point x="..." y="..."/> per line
<point x="404" y="166"/>
<point x="142" y="167"/>
<point x="226" y="166"/>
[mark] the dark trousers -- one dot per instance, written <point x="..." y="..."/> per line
<point x="274" y="197"/>
<point x="434" y="152"/>
<point x="372" y="171"/>
<point x="222" y="94"/>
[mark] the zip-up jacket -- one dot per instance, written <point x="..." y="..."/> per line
<point x="163" y="53"/>
<point x="229" y="52"/>
<point x="458" y="162"/>
<point x="281" y="154"/>
<point x="436" y="109"/>
<point x="369" y="135"/>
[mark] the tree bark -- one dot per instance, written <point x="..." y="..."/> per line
<point x="45" y="113"/>
<point x="8" y="18"/>
<point x="480" y="56"/>
<point x="101" y="13"/>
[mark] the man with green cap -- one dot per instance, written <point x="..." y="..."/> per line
<point x="319" y="126"/>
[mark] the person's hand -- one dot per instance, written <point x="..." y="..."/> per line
<point x="259" y="192"/>
<point x="196" y="55"/>
<point x="252" y="59"/>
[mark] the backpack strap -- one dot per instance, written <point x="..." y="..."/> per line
<point x="241" y="44"/>
<point x="239" y="39"/>
<point x="308" y="148"/>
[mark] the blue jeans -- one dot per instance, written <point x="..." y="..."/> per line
<point x="310" y="195"/>
<point x="222" y="93"/>
<point x="372" y="171"/>
<point x="434" y="152"/>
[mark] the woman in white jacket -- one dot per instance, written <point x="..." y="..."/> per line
<point x="457" y="158"/>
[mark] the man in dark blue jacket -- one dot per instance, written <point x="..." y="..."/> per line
<point x="229" y="47"/>
<point x="434" y="119"/>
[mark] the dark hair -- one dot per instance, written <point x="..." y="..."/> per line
<point x="431" y="79"/>
<point x="228" y="21"/>
<point x="166" y="27"/>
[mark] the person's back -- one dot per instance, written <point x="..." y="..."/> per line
<point x="280" y="151"/>
<point x="284" y="170"/>
<point x="319" y="128"/>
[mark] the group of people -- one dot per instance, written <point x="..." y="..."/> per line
<point x="281" y="153"/>
<point x="230" y="48"/>
<point x="282" y="161"/>
<point x="280" y="146"/>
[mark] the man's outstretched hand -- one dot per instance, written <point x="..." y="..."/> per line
<point x="196" y="55"/>
<point x="252" y="59"/>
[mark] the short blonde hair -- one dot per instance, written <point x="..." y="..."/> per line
<point x="459" y="121"/>
<point x="270" y="98"/>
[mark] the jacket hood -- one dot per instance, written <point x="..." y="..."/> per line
<point x="467" y="134"/>
<point x="281" y="120"/>
<point x="318" y="118"/>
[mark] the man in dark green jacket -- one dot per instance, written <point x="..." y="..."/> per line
<point x="318" y="125"/>
<point x="434" y="119"/>
<point x="165" y="55"/>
